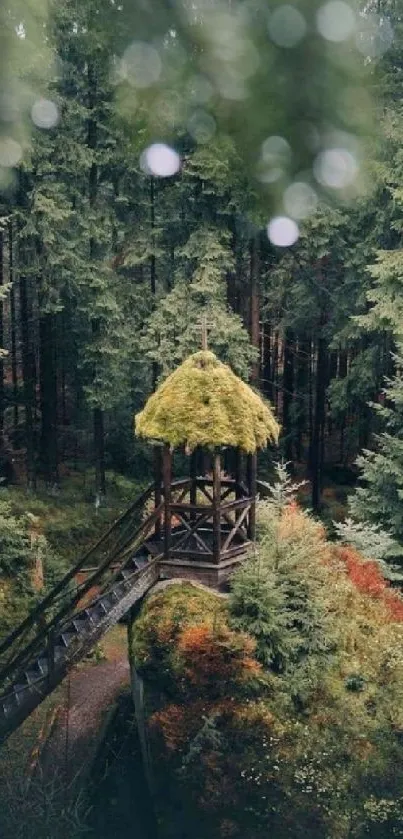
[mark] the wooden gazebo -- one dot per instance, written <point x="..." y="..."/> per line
<point x="205" y="522"/>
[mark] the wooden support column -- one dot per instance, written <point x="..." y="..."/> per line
<point x="157" y="486"/>
<point x="216" y="506"/>
<point x="238" y="471"/>
<point x="252" y="477"/>
<point x="166" y="479"/>
<point x="193" y="476"/>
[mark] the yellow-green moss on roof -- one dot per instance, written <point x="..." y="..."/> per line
<point x="203" y="403"/>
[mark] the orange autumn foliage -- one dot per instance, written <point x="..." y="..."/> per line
<point x="178" y="723"/>
<point x="211" y="656"/>
<point x="292" y="522"/>
<point x="367" y="578"/>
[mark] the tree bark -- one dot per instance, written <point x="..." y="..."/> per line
<point x="254" y="304"/>
<point x="267" y="372"/>
<point x="342" y="372"/>
<point x="48" y="398"/>
<point x="288" y="393"/>
<point x="29" y="377"/>
<point x="318" y="422"/>
<point x="275" y="369"/>
<point x="153" y="272"/>
<point x="301" y="387"/>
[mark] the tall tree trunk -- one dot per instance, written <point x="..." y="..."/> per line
<point x="13" y="329"/>
<point x="267" y="371"/>
<point x="311" y="362"/>
<point x="275" y="369"/>
<point x="254" y="303"/>
<point x="365" y="413"/>
<point x="318" y="422"/>
<point x="288" y="393"/>
<point x="98" y="415"/>
<point x="153" y="272"/>
<point x="301" y="388"/>
<point x="333" y="364"/>
<point x="342" y="372"/>
<point x="28" y="375"/>
<point x="48" y="398"/>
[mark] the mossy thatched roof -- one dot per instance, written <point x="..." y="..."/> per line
<point x="203" y="403"/>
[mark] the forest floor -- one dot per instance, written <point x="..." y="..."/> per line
<point x="68" y="516"/>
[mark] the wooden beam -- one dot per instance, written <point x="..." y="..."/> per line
<point x="193" y="478"/>
<point x="252" y="477"/>
<point x="238" y="471"/>
<point x="166" y="479"/>
<point x="157" y="486"/>
<point x="235" y="529"/>
<point x="191" y="530"/>
<point x="216" y="505"/>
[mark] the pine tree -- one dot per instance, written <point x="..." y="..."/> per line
<point x="379" y="498"/>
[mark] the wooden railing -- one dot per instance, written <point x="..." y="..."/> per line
<point x="111" y="548"/>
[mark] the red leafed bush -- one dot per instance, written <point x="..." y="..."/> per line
<point x="367" y="578"/>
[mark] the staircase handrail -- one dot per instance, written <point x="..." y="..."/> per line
<point x="92" y="580"/>
<point x="49" y="599"/>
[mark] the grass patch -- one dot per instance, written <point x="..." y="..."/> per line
<point x="69" y="519"/>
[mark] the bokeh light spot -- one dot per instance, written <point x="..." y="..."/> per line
<point x="283" y="231"/>
<point x="275" y="150"/>
<point x="287" y="26"/>
<point x="201" y="126"/>
<point x="336" y="21"/>
<point x="10" y="152"/>
<point x="160" y="160"/>
<point x="200" y="90"/>
<point x="140" y="65"/>
<point x="336" y="168"/>
<point x="45" y="113"/>
<point x="300" y="200"/>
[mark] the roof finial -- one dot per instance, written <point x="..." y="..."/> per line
<point x="204" y="331"/>
<point x="205" y="325"/>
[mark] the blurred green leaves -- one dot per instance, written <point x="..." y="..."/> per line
<point x="25" y="62"/>
<point x="284" y="81"/>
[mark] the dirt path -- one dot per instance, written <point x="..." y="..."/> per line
<point x="89" y="692"/>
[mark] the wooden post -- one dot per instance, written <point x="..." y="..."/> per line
<point x="157" y="487"/>
<point x="252" y="476"/>
<point x="193" y="476"/>
<point x="238" y="471"/>
<point x="166" y="479"/>
<point x="216" y="506"/>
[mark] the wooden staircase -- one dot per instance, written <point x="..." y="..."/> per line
<point x="71" y="619"/>
<point x="116" y="572"/>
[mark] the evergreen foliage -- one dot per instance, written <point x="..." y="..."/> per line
<point x="173" y="331"/>
<point x="378" y="499"/>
